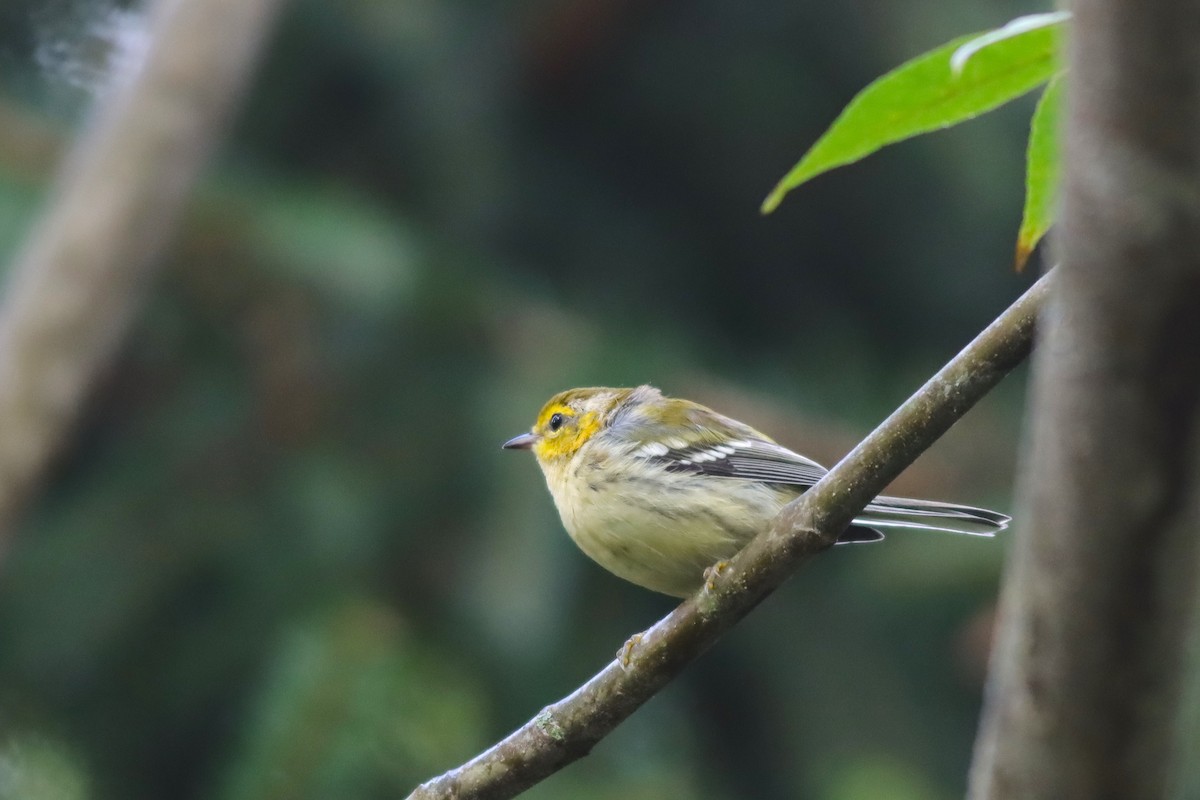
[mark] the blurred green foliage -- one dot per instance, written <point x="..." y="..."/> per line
<point x="284" y="556"/>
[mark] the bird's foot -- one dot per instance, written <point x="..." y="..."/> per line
<point x="625" y="654"/>
<point x="712" y="573"/>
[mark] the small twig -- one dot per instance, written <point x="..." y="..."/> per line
<point x="568" y="729"/>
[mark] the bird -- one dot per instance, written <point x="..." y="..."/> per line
<point x="658" y="489"/>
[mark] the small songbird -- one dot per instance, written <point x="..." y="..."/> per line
<point x="656" y="489"/>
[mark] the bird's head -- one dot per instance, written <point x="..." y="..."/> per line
<point x="568" y="421"/>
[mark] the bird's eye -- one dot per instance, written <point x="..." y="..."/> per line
<point x="556" y="421"/>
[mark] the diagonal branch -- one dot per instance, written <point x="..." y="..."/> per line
<point x="568" y="729"/>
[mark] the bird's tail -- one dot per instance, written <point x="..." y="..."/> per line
<point x="902" y="512"/>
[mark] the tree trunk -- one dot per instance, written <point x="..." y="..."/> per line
<point x="1100" y="595"/>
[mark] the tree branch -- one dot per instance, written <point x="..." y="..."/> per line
<point x="567" y="730"/>
<point x="72" y="291"/>
<point x="1099" y="597"/>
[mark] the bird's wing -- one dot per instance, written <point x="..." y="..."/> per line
<point x="716" y="445"/>
<point x="748" y="459"/>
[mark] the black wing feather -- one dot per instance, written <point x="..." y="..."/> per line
<point x="753" y="460"/>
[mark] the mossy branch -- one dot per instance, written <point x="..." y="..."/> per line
<point x="567" y="730"/>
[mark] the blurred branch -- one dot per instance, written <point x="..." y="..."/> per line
<point x="72" y="291"/>
<point x="1099" y="598"/>
<point x="565" y="731"/>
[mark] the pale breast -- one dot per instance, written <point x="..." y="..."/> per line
<point x="660" y="530"/>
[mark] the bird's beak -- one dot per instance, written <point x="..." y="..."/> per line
<point x="522" y="442"/>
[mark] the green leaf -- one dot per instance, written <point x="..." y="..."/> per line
<point x="1014" y="28"/>
<point x="925" y="94"/>
<point x="1042" y="171"/>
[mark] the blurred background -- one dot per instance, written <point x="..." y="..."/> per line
<point x="283" y="555"/>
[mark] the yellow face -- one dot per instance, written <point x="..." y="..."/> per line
<point x="566" y="423"/>
<point x="561" y="430"/>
